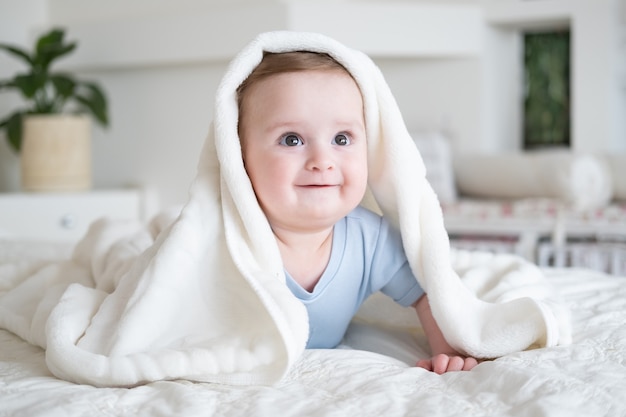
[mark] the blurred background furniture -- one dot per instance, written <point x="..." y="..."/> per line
<point x="557" y="209"/>
<point x="65" y="217"/>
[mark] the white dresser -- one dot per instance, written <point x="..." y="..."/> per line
<point x="64" y="217"/>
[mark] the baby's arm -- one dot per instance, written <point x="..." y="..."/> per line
<point x="444" y="357"/>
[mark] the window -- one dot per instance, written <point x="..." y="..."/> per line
<point x="547" y="90"/>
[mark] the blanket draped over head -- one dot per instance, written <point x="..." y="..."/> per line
<point x="201" y="294"/>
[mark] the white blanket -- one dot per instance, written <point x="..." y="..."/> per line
<point x="201" y="295"/>
<point x="375" y="377"/>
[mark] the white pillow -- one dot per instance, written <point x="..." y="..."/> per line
<point x="582" y="181"/>
<point x="435" y="150"/>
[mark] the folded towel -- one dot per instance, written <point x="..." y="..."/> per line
<point x="581" y="181"/>
<point x="201" y="295"/>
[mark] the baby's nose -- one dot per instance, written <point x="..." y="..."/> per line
<point x="320" y="158"/>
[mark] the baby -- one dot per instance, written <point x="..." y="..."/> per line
<point x="302" y="131"/>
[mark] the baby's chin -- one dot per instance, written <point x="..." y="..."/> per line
<point x="308" y="222"/>
<point x="312" y="213"/>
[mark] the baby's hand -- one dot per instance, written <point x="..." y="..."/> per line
<point x="443" y="363"/>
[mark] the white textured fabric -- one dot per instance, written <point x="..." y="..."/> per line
<point x="582" y="181"/>
<point x="202" y="295"/>
<point x="586" y="378"/>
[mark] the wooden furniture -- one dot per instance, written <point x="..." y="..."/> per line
<point x="64" y="217"/>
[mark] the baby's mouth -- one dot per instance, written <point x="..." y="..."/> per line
<point x="318" y="185"/>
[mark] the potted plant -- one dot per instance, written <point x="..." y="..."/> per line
<point x="52" y="134"/>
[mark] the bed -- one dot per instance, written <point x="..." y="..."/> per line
<point x="554" y="207"/>
<point x="369" y="375"/>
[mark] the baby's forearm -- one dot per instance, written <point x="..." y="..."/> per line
<point x="436" y="340"/>
<point x="444" y="357"/>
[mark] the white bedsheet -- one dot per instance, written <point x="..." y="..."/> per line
<point x="587" y="378"/>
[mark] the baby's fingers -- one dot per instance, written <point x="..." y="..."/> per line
<point x="425" y="363"/>
<point x="469" y="363"/>
<point x="443" y="363"/>
<point x="458" y="363"/>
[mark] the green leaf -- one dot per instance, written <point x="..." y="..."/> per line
<point x="51" y="37"/>
<point x="50" y="47"/>
<point x="49" y="54"/>
<point x="95" y="100"/>
<point x="28" y="84"/>
<point x="63" y="84"/>
<point x="13" y="126"/>
<point x="20" y="53"/>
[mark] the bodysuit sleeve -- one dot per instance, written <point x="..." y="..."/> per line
<point x="390" y="270"/>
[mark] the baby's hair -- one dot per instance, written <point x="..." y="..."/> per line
<point x="279" y="63"/>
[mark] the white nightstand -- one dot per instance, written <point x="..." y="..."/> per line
<point x="65" y="217"/>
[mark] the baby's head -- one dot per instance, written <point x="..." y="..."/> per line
<point x="287" y="62"/>
<point x="302" y="133"/>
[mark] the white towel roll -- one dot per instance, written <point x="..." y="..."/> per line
<point x="581" y="181"/>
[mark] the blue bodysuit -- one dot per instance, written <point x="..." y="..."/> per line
<point x="366" y="256"/>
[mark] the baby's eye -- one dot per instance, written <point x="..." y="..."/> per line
<point x="291" y="140"/>
<point x="341" y="139"/>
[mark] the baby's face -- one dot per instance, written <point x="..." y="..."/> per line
<point x="304" y="147"/>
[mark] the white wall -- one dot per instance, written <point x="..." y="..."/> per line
<point x="599" y="113"/>
<point x="159" y="120"/>
<point x="502" y="96"/>
<point x="439" y="94"/>
<point x="161" y="60"/>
